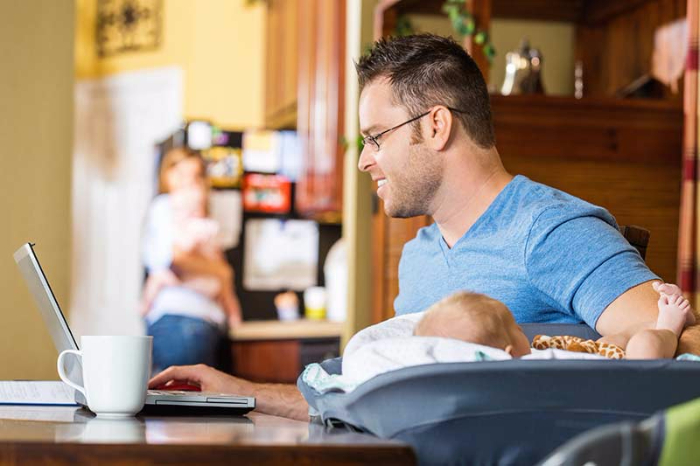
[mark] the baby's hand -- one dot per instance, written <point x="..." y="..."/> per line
<point x="671" y="291"/>
<point x="673" y="313"/>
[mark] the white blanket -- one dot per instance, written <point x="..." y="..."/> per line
<point x="390" y="345"/>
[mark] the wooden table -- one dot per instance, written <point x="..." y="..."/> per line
<point x="65" y="435"/>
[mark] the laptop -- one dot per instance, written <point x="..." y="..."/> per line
<point x="157" y="401"/>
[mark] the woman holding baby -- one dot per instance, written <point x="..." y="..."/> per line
<point x="188" y="299"/>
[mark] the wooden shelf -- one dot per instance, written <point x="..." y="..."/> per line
<point x="291" y="330"/>
<point x="588" y="12"/>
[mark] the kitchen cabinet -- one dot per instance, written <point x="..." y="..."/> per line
<point x="277" y="352"/>
<point x="320" y="119"/>
<point x="282" y="57"/>
<point x="305" y="91"/>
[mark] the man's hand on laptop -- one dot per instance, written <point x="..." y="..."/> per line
<point x="277" y="399"/>
<point x="205" y="377"/>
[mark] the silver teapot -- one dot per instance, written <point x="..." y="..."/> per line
<point x="523" y="71"/>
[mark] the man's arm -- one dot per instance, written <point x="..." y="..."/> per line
<point x="275" y="399"/>
<point x="636" y="310"/>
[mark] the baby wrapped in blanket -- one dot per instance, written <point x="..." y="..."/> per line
<point x="480" y="319"/>
<point x="473" y="327"/>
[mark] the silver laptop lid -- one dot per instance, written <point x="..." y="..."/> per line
<point x="44" y="298"/>
<point x="48" y="306"/>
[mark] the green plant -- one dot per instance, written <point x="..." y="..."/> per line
<point x="464" y="24"/>
<point x="404" y="27"/>
<point x="345" y="143"/>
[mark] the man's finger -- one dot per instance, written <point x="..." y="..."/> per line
<point x="181" y="373"/>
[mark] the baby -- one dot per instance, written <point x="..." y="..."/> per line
<point x="193" y="233"/>
<point x="476" y="318"/>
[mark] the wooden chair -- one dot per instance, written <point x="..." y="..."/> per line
<point x="637" y="237"/>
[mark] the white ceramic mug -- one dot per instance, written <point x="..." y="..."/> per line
<point x="115" y="373"/>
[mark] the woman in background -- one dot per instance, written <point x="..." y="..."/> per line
<point x="188" y="300"/>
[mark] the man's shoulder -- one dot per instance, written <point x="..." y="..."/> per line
<point x="546" y="205"/>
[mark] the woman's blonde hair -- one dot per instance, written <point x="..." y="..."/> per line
<point x="173" y="157"/>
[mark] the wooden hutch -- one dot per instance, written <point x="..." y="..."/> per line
<point x="623" y="154"/>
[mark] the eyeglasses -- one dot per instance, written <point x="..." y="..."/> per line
<point x="374" y="139"/>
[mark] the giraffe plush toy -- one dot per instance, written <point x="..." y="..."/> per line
<point x="578" y="345"/>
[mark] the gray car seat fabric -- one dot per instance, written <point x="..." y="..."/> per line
<point x="576" y="330"/>
<point x="619" y="444"/>
<point x="503" y="412"/>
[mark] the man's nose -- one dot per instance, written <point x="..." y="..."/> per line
<point x="366" y="160"/>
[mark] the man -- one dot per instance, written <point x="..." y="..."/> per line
<point x="429" y="143"/>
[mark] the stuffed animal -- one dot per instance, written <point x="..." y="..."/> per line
<point x="578" y="345"/>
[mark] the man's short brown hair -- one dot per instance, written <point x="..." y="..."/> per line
<point x="426" y="70"/>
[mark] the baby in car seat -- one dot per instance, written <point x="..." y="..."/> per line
<point x="477" y="318"/>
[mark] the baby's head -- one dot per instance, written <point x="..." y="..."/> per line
<point x="474" y="318"/>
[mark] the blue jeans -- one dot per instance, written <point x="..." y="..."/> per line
<point x="181" y="340"/>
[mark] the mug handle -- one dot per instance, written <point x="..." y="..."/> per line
<point x="62" y="372"/>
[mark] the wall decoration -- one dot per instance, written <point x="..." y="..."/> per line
<point x="128" y="26"/>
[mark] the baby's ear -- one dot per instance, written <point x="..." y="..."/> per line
<point x="509" y="350"/>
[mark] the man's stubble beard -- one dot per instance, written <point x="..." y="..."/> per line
<point x="414" y="187"/>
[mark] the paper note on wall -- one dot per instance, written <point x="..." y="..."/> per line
<point x="226" y="208"/>
<point x="261" y="151"/>
<point x="280" y="254"/>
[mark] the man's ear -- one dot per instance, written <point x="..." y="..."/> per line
<point x="440" y="121"/>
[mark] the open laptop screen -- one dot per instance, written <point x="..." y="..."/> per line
<point x="44" y="298"/>
<point x="48" y="307"/>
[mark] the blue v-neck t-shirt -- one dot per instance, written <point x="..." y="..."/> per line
<point x="549" y="256"/>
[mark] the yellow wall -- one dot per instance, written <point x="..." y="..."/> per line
<point x="36" y="130"/>
<point x="219" y="44"/>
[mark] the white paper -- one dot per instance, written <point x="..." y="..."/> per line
<point x="36" y="393"/>
<point x="63" y="414"/>
<point x="291" y="157"/>
<point x="280" y="254"/>
<point x="261" y="151"/>
<point x="199" y="135"/>
<point x="226" y="208"/>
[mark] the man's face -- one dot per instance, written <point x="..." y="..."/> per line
<point x="408" y="173"/>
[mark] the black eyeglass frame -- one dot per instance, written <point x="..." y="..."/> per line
<point x="374" y="139"/>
